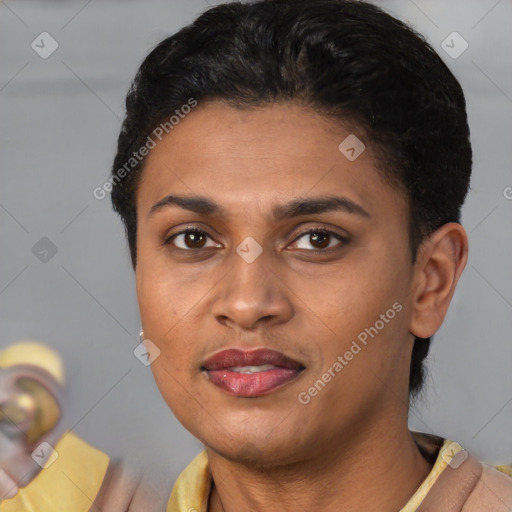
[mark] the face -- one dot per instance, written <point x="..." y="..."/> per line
<point x="294" y="248"/>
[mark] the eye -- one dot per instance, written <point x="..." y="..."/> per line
<point x="190" y="239"/>
<point x="320" y="239"/>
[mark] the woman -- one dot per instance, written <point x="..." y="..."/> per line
<point x="296" y="242"/>
<point x="290" y="175"/>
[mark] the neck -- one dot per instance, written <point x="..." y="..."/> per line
<point x="379" y="469"/>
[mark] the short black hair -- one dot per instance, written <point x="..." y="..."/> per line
<point x="346" y="59"/>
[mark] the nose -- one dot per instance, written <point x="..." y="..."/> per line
<point x="252" y="295"/>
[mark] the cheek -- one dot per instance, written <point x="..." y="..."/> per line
<point x="161" y="295"/>
<point x="366" y="315"/>
<point x="176" y="390"/>
<point x="170" y="303"/>
<point x="364" y="290"/>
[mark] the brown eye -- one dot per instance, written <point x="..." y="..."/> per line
<point x="190" y="239"/>
<point x="194" y="240"/>
<point x="319" y="238"/>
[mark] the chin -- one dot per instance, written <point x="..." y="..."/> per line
<point x="256" y="449"/>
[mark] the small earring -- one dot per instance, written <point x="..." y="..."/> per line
<point x="141" y="336"/>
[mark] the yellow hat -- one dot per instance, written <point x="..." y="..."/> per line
<point x="35" y="353"/>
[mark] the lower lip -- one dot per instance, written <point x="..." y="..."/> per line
<point x="251" y="384"/>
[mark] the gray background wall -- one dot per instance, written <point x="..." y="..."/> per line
<point x="60" y="118"/>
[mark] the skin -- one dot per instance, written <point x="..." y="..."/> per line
<point x="273" y="452"/>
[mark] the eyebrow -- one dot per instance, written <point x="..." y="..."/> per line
<point x="300" y="206"/>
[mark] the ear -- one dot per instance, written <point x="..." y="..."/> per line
<point x="440" y="261"/>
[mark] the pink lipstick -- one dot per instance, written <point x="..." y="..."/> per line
<point x="250" y="373"/>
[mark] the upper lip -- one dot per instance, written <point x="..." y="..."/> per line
<point x="236" y="357"/>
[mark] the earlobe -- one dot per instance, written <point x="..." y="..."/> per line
<point x="441" y="259"/>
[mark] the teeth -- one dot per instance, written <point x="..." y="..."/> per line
<point x="252" y="369"/>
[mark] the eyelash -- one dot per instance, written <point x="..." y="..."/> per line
<point x="322" y="230"/>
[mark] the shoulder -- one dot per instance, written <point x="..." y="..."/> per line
<point x="459" y="481"/>
<point x="493" y="491"/>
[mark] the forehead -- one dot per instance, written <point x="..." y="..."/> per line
<point x="259" y="157"/>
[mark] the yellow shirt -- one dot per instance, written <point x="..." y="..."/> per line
<point x="72" y="482"/>
<point x="69" y="484"/>
<point x="192" y="488"/>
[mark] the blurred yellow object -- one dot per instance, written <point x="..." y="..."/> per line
<point x="69" y="484"/>
<point x="36" y="403"/>
<point x="35" y="353"/>
<point x="505" y="468"/>
<point x="80" y="478"/>
<point x="33" y="404"/>
<point x="79" y="468"/>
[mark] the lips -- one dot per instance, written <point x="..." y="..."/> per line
<point x="234" y="357"/>
<point x="250" y="373"/>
